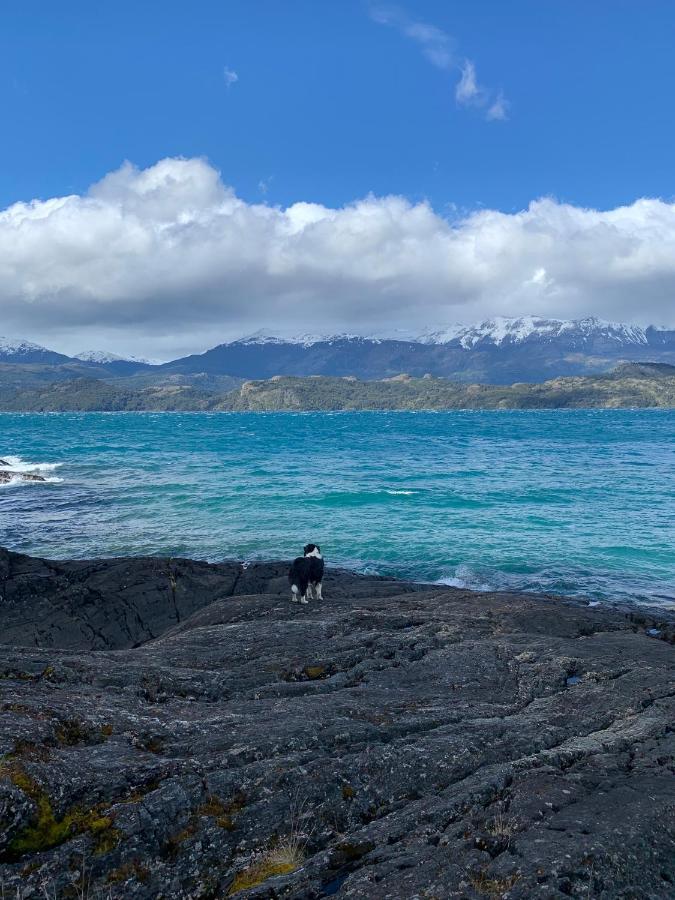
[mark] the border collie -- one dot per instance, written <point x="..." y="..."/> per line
<point x="305" y="574"/>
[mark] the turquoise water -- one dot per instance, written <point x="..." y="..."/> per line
<point x="572" y="502"/>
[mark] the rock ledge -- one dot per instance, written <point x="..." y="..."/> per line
<point x="176" y="729"/>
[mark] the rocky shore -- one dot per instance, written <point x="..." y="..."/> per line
<point x="175" y="729"/>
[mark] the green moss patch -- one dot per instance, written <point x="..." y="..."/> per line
<point x="47" y="831"/>
<point x="223" y="812"/>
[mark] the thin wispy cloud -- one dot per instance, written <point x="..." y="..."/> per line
<point x="230" y="77"/>
<point x="467" y="92"/>
<point x="264" y="185"/>
<point x="499" y="110"/>
<point x="440" y="49"/>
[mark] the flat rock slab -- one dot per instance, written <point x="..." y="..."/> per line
<point x="175" y="729"/>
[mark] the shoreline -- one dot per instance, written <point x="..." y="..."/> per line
<point x="664" y="613"/>
<point x="334" y="412"/>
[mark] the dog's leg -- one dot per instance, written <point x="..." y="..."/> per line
<point x="294" y="593"/>
<point x="303" y="598"/>
<point x="317" y="589"/>
<point x="309" y="592"/>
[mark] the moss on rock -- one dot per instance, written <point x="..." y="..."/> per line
<point x="46" y="830"/>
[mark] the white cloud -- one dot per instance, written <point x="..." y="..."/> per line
<point x="440" y="49"/>
<point x="230" y="77"/>
<point x="437" y="46"/>
<point x="498" y="109"/>
<point x="467" y="90"/>
<point x="168" y="260"/>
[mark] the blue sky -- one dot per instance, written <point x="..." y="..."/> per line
<point x="346" y="165"/>
<point x="330" y="105"/>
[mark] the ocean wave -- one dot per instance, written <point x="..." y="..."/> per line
<point x="17" y="466"/>
<point x="406" y="493"/>
<point x="467" y="579"/>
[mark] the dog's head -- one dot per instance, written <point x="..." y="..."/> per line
<point x="313" y="550"/>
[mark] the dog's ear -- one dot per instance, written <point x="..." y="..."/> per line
<point x="308" y="548"/>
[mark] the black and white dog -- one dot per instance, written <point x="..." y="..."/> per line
<point x="305" y="574"/>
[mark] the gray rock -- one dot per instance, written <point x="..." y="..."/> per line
<point x="397" y="741"/>
<point x="6" y="477"/>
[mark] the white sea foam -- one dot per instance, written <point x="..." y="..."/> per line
<point x="407" y="493"/>
<point x="466" y="579"/>
<point x="17" y="465"/>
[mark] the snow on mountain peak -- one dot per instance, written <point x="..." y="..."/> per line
<point x="304" y="340"/>
<point x="502" y="330"/>
<point x="104" y="356"/>
<point x="16" y="347"/>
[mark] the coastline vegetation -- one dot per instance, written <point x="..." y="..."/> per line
<point x="630" y="385"/>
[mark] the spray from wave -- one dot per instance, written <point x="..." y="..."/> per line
<point x="468" y="579"/>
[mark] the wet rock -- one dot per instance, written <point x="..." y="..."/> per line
<point x="6" y="477"/>
<point x="391" y="741"/>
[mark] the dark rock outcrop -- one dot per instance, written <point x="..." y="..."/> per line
<point x="177" y="729"/>
<point x="6" y="477"/>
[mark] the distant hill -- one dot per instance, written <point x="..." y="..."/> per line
<point x="630" y="385"/>
<point x="93" y="395"/>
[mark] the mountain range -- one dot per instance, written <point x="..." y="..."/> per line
<point x="497" y="351"/>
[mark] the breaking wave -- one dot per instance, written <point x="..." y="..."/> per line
<point x="17" y="466"/>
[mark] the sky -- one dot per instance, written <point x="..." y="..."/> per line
<point x="175" y="175"/>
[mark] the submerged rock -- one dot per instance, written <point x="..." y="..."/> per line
<point x="177" y="729"/>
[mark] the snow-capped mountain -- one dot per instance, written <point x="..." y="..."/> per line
<point x="11" y="347"/>
<point x="500" y="331"/>
<point x="102" y="357"/>
<point x="265" y="337"/>
<point x="499" y="350"/>
<point x="496" y="332"/>
<point x="14" y="350"/>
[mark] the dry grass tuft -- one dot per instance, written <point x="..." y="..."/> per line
<point x="492" y="887"/>
<point x="280" y="860"/>
<point x="502" y="827"/>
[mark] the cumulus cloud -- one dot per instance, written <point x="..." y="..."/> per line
<point x="440" y="49"/>
<point x="168" y="260"/>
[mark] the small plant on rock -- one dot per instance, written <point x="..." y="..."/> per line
<point x="285" y="857"/>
